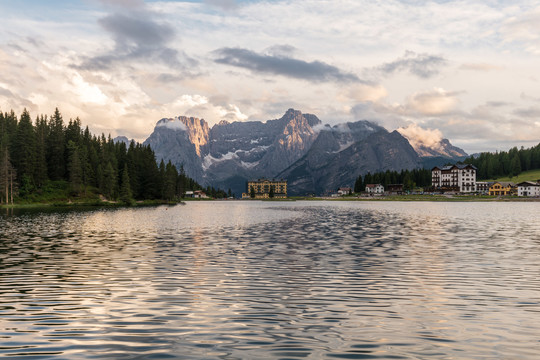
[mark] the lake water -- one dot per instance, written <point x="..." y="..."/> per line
<point x="273" y="280"/>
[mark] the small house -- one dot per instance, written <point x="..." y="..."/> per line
<point x="528" y="188"/>
<point x="374" y="189"/>
<point x="501" y="188"/>
<point x="342" y="191"/>
<point x="394" y="189"/>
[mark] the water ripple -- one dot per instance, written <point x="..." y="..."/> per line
<point x="243" y="280"/>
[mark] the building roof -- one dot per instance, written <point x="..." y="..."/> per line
<point x="528" y="183"/>
<point x="372" y="185"/>
<point x="504" y="183"/>
<point x="459" y="166"/>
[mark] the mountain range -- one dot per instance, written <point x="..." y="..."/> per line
<point x="314" y="158"/>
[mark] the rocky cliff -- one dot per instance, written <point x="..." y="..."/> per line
<point x="371" y="150"/>
<point x="312" y="157"/>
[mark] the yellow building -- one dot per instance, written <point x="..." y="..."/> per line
<point x="265" y="188"/>
<point x="502" y="188"/>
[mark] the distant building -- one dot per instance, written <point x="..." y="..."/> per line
<point x="394" y="189"/>
<point x="482" y="187"/>
<point x="200" y="194"/>
<point x="262" y="188"/>
<point x="374" y="189"/>
<point x="197" y="194"/>
<point x="528" y="188"/>
<point x="342" y="191"/>
<point x="500" y="188"/>
<point x="458" y="177"/>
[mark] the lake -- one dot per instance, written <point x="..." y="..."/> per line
<point x="273" y="280"/>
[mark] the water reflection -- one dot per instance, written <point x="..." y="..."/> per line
<point x="272" y="280"/>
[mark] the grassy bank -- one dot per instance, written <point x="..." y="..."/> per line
<point x="58" y="194"/>
<point x="437" y="198"/>
<point x="531" y="175"/>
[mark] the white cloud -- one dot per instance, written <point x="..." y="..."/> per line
<point x="189" y="101"/>
<point x="472" y="40"/>
<point x="87" y="92"/>
<point x="419" y="137"/>
<point x="173" y="124"/>
<point x="524" y="29"/>
<point x="435" y="102"/>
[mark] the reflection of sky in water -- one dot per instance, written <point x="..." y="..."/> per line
<point x="273" y="280"/>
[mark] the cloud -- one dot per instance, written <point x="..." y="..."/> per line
<point x="363" y="92"/>
<point x="480" y="67"/>
<point x="223" y="4"/>
<point x="433" y="103"/>
<point x="200" y="106"/>
<point x="189" y="101"/>
<point x="419" y="137"/>
<point x="524" y="29"/>
<point x="138" y="37"/>
<point x="421" y="65"/>
<point x="531" y="112"/>
<point x="284" y="65"/>
<point x="173" y="124"/>
<point x="7" y="97"/>
<point x="123" y="3"/>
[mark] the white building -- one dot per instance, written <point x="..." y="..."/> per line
<point x="528" y="188"/>
<point x="344" y="191"/>
<point x="459" y="178"/>
<point x="374" y="189"/>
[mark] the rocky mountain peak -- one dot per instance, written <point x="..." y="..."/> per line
<point x="196" y="129"/>
<point x="292" y="114"/>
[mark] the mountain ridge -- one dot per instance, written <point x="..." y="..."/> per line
<point x="296" y="146"/>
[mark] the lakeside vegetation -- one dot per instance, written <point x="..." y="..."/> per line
<point x="47" y="162"/>
<point x="506" y="164"/>
<point x="530" y="175"/>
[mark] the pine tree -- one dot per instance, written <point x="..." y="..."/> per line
<point x="55" y="147"/>
<point x="74" y="168"/>
<point x="24" y="151"/>
<point x="8" y="176"/>
<point x="109" y="181"/>
<point x="515" y="165"/>
<point x="40" y="167"/>
<point x="169" y="185"/>
<point x="126" y="195"/>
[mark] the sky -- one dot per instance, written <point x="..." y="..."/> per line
<point x="468" y="71"/>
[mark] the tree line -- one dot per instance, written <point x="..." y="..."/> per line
<point x="490" y="166"/>
<point x="505" y="163"/>
<point x="409" y="178"/>
<point x="35" y="154"/>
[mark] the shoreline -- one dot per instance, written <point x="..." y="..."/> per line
<point x="88" y="205"/>
<point x="149" y="203"/>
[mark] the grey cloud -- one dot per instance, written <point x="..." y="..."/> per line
<point x="497" y="104"/>
<point x="16" y="47"/>
<point x="422" y="65"/>
<point x="315" y="71"/>
<point x="528" y="97"/>
<point x="223" y="4"/>
<point x="123" y="3"/>
<point x="34" y="41"/>
<point x="138" y="37"/>
<point x="17" y="100"/>
<point x="532" y="112"/>
<point x="136" y="30"/>
<point x="281" y="50"/>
